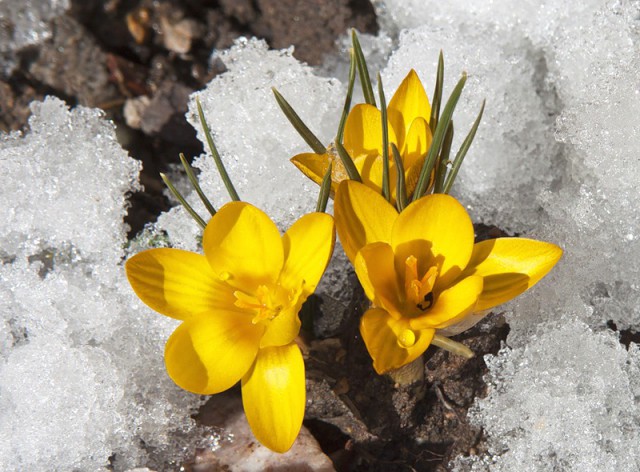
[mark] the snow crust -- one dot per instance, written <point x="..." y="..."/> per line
<point x="555" y="158"/>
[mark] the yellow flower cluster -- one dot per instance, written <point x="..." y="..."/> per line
<point x="420" y="269"/>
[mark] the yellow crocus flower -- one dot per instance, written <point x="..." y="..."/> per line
<point x="408" y="116"/>
<point x="239" y="305"/>
<point x="424" y="274"/>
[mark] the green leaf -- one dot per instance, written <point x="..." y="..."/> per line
<point x="457" y="162"/>
<point x="386" y="190"/>
<point x="347" y="162"/>
<point x="325" y="190"/>
<point x="196" y="185"/>
<point x="437" y="94"/>
<point x="401" y="187"/>
<point x="438" y="138"/>
<point x="184" y="203"/>
<point x="216" y="156"/>
<point x="347" y="101"/>
<point x="443" y="160"/>
<point x="302" y="129"/>
<point x="363" y="71"/>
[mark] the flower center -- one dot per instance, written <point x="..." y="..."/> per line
<point x="266" y="303"/>
<point x="419" y="290"/>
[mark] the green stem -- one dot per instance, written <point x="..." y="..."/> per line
<point x="452" y="346"/>
<point x="441" y="169"/>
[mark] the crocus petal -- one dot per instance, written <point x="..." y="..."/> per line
<point x="362" y="217"/>
<point x="312" y="165"/>
<point x="308" y="246"/>
<point x="391" y="342"/>
<point x="177" y="283"/>
<point x="510" y="266"/>
<point x="374" y="266"/>
<point x="466" y="323"/>
<point x="452" y="305"/>
<point x="417" y="143"/>
<point x="363" y="131"/>
<point x="437" y="230"/>
<point x="209" y="354"/>
<point x="408" y="103"/>
<point x="284" y="328"/>
<point x="243" y="246"/>
<point x="273" y="395"/>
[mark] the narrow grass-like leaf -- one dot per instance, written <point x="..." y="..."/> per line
<point x="443" y="160"/>
<point x="325" y="190"/>
<point x="363" y="70"/>
<point x="438" y="138"/>
<point x="196" y="185"/>
<point x="437" y="94"/>
<point x="347" y="100"/>
<point x="216" y="156"/>
<point x="182" y="201"/>
<point x="302" y="129"/>
<point x="401" y="187"/>
<point x="347" y="162"/>
<point x="386" y="187"/>
<point x="457" y="162"/>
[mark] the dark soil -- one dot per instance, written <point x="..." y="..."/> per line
<point x="108" y="53"/>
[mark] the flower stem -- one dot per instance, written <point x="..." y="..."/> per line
<point x="408" y="374"/>
<point x="452" y="346"/>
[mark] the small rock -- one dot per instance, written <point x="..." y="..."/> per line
<point x="134" y="109"/>
<point x="243" y="453"/>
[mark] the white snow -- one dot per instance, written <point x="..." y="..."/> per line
<point x="556" y="158"/>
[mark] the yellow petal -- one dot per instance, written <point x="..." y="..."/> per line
<point x="374" y="266"/>
<point x="209" y="354"/>
<point x="417" y="143"/>
<point x="452" y="305"/>
<point x="308" y="246"/>
<point x="312" y="165"/>
<point x="408" y="103"/>
<point x="362" y="217"/>
<point x="363" y="131"/>
<point x="177" y="283"/>
<point x="274" y="395"/>
<point x="414" y="152"/>
<point x="284" y="328"/>
<point x="510" y="266"/>
<point x="243" y="246"/>
<point x="391" y="342"/>
<point x="437" y="230"/>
